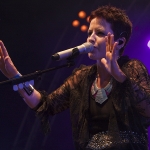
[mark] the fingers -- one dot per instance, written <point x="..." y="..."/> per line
<point x="109" y="42"/>
<point x="111" y="46"/>
<point x="4" y="50"/>
<point x="1" y="57"/>
<point x="6" y="65"/>
<point x="4" y="57"/>
<point x="114" y="53"/>
<point x="2" y="64"/>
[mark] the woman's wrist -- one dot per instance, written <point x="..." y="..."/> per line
<point x="120" y="76"/>
<point x="27" y="87"/>
<point x="18" y="75"/>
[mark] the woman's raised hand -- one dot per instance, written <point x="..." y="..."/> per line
<point x="110" y="61"/>
<point x="6" y="65"/>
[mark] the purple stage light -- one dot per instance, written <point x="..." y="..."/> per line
<point x="148" y="44"/>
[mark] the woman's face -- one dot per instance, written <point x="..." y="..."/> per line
<point x="97" y="31"/>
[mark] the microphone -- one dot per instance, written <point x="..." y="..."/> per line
<point x="73" y="52"/>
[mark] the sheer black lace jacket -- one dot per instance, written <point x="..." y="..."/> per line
<point x="130" y="101"/>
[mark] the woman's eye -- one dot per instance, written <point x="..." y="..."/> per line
<point x="100" y="34"/>
<point x="89" y="34"/>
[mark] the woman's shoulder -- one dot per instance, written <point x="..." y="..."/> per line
<point x="125" y="61"/>
<point x="134" y="66"/>
<point x="83" y="68"/>
<point x="135" y="63"/>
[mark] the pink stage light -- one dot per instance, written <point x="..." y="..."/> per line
<point x="148" y="44"/>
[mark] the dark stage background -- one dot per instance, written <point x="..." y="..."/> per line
<point x="32" y="31"/>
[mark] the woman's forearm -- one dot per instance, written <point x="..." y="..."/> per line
<point x="31" y="100"/>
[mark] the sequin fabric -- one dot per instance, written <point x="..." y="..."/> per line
<point x="104" y="140"/>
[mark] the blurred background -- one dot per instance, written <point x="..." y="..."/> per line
<point x="32" y="31"/>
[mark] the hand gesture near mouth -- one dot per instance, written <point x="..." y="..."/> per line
<point x="110" y="61"/>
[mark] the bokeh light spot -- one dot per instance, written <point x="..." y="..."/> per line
<point x="84" y="28"/>
<point x="148" y="44"/>
<point x="87" y="19"/>
<point x="75" y="23"/>
<point x="82" y="14"/>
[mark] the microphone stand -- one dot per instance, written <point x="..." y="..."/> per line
<point x="37" y="74"/>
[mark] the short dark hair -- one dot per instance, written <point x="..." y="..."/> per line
<point x="120" y="22"/>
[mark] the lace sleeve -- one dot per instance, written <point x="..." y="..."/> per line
<point x="138" y="75"/>
<point x="58" y="100"/>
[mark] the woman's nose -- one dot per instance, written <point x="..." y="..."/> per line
<point x="91" y="39"/>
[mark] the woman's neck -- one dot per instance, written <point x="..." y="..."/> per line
<point x="103" y="77"/>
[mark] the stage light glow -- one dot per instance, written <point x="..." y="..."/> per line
<point x="79" y="23"/>
<point x="84" y="28"/>
<point x="87" y="19"/>
<point x="75" y="23"/>
<point x="148" y="44"/>
<point x="82" y="14"/>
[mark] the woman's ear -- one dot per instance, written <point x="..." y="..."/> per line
<point x="121" y="42"/>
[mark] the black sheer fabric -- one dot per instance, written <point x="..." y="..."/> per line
<point x="98" y="115"/>
<point x="130" y="105"/>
